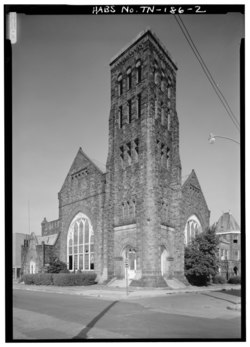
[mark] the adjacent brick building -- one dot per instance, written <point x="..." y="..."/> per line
<point x="228" y="231"/>
<point x="138" y="208"/>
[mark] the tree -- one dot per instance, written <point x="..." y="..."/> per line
<point x="201" y="261"/>
<point x="55" y="266"/>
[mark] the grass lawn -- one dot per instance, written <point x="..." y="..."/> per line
<point x="235" y="292"/>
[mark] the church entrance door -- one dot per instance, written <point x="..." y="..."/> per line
<point x="164" y="262"/>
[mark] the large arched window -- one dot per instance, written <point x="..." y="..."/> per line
<point x="80" y="244"/>
<point x="192" y="229"/>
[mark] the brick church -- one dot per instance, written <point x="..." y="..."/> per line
<point x="137" y="209"/>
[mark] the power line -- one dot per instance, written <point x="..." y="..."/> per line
<point x="204" y="64"/>
<point x="207" y="72"/>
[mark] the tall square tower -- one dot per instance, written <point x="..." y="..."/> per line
<point x="143" y="179"/>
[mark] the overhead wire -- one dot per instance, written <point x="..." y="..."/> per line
<point x="207" y="72"/>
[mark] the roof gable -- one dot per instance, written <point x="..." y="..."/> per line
<point x="193" y="183"/>
<point x="81" y="165"/>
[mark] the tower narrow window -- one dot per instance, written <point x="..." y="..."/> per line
<point x="162" y="114"/>
<point x="138" y="71"/>
<point x="120" y="89"/>
<point x="136" y="148"/>
<point x="128" y="209"/>
<point x="129" y="111"/>
<point x="129" y="152"/>
<point x="156" y="109"/>
<point x="129" y="78"/>
<point x="162" y="82"/>
<point x="123" y="210"/>
<point x="169" y="119"/>
<point x="122" y="155"/>
<point x="169" y="88"/>
<point x="155" y="72"/>
<point x="168" y="157"/>
<point x="134" y="208"/>
<point x="138" y="105"/>
<point x="162" y="152"/>
<point x="120" y="117"/>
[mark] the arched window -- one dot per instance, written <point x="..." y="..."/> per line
<point x="120" y="89"/>
<point x="80" y="244"/>
<point x="129" y="78"/>
<point x="192" y="229"/>
<point x="138" y="71"/>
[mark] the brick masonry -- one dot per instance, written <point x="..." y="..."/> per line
<point x="139" y="203"/>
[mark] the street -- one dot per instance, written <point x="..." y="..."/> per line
<point x="41" y="316"/>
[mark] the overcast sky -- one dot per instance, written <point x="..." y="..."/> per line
<point x="61" y="101"/>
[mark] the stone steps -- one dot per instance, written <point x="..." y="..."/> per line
<point x="174" y="283"/>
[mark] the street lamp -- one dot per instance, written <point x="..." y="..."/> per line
<point x="212" y="137"/>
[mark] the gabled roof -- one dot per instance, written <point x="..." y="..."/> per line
<point x="80" y="162"/>
<point x="81" y="159"/>
<point x="48" y="240"/>
<point x="227" y="224"/>
<point x="192" y="179"/>
<point x="193" y="182"/>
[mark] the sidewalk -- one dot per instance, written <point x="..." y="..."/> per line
<point x="105" y="292"/>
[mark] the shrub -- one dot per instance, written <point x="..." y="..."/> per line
<point x="56" y="266"/>
<point x="235" y="280"/>
<point x="43" y="279"/>
<point x="218" y="279"/>
<point x="64" y="271"/>
<point x="28" y="279"/>
<point x="200" y="258"/>
<point x="71" y="279"/>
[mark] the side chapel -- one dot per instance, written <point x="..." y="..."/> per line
<point x="137" y="209"/>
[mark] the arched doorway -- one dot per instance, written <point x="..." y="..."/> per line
<point x="192" y="229"/>
<point x="164" y="262"/>
<point x="129" y="257"/>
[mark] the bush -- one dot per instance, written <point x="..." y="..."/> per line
<point x="64" y="271"/>
<point x="71" y="279"/>
<point x="60" y="279"/>
<point x="56" y="266"/>
<point x="218" y="279"/>
<point x="43" y="279"/>
<point x="201" y="261"/>
<point x="235" y="280"/>
<point x="28" y="279"/>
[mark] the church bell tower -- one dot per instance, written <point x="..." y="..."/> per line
<point x="143" y="180"/>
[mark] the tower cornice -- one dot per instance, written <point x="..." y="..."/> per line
<point x="132" y="46"/>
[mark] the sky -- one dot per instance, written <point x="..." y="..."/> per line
<point x="61" y="101"/>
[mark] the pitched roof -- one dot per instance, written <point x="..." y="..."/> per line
<point x="138" y="38"/>
<point x="48" y="240"/>
<point x="227" y="224"/>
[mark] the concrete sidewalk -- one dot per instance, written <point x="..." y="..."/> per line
<point x="105" y="292"/>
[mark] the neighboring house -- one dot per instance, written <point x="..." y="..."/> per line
<point x="18" y="241"/>
<point x="230" y="245"/>
<point x="137" y="208"/>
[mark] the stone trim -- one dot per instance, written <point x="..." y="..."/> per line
<point x="164" y="227"/>
<point x="228" y="232"/>
<point x="127" y="227"/>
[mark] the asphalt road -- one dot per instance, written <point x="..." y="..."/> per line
<point x="49" y="316"/>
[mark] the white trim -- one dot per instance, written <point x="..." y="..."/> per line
<point x="125" y="227"/>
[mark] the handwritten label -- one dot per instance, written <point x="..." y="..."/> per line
<point x="12" y="27"/>
<point x="148" y="9"/>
